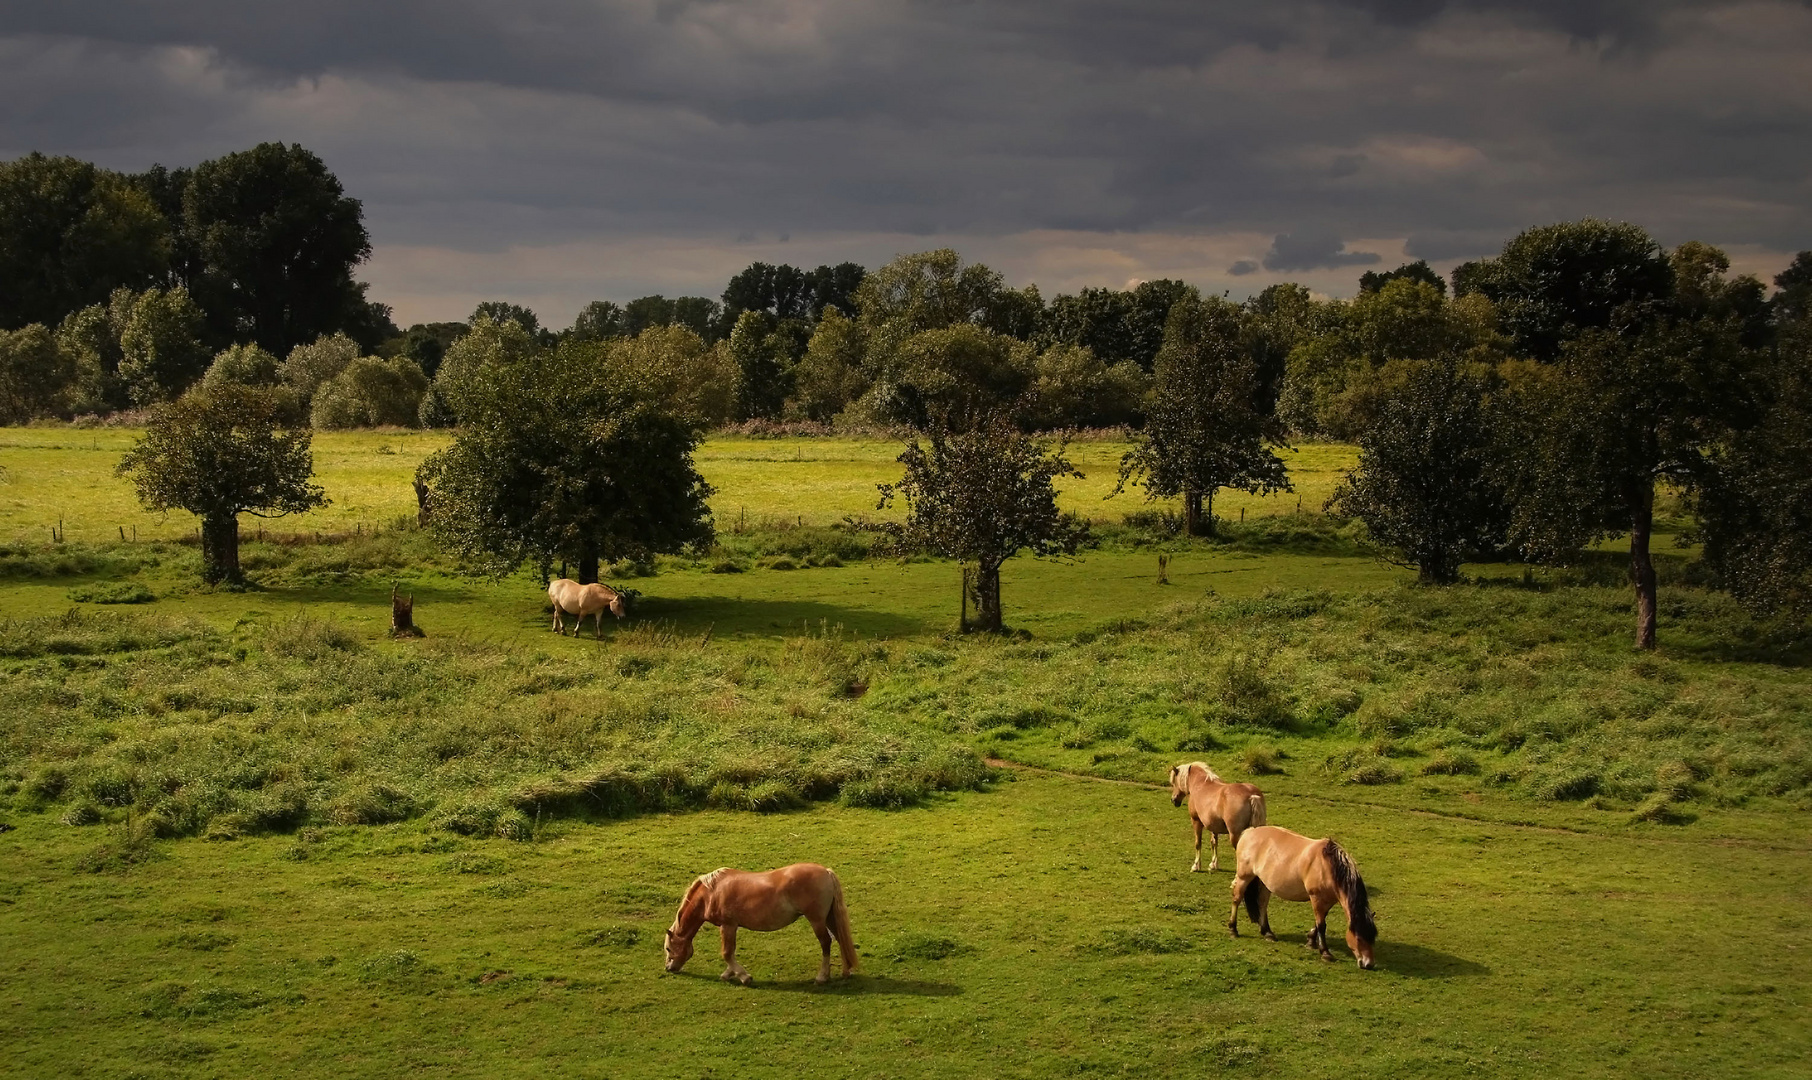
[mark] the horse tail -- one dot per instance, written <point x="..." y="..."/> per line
<point x="1255" y="895"/>
<point x="1257" y="802"/>
<point x="839" y="920"/>
<point x="1352" y="891"/>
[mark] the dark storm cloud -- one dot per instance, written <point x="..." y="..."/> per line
<point x="1314" y="251"/>
<point x="477" y="126"/>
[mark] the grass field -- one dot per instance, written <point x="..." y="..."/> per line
<point x="60" y="474"/>
<point x="253" y="834"/>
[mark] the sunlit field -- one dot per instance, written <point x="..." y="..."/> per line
<point x="252" y="833"/>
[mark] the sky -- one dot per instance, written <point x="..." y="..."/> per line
<point x="554" y="152"/>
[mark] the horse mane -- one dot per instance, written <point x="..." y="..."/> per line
<point x="1210" y="773"/>
<point x="1352" y="891"/>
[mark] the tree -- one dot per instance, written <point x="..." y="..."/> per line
<point x="70" y="234"/>
<point x="1205" y="430"/>
<point x="831" y="374"/>
<point x="1425" y="484"/>
<point x="246" y="365"/>
<point x="952" y="377"/>
<point x="695" y="313"/>
<point x="161" y="352"/>
<point x="981" y="497"/>
<point x="1073" y="388"/>
<point x="1555" y="282"/>
<point x="309" y="367"/>
<point x="763" y="371"/>
<point x="504" y="311"/>
<point x="1794" y="301"/>
<point x="218" y="452"/>
<point x="1627" y="406"/>
<point x="598" y="320"/>
<point x="673" y="365"/>
<point x="1753" y="493"/>
<point x="371" y="392"/>
<point x="563" y="459"/>
<point x="427" y="343"/>
<point x="278" y="239"/>
<point x="1373" y="280"/>
<point x="35" y="373"/>
<point x="486" y="344"/>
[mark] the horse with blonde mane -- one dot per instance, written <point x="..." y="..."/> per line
<point x="741" y="900"/>
<point x="1274" y="860"/>
<point x="1215" y="805"/>
<point x="571" y="598"/>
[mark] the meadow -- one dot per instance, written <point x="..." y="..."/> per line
<point x="253" y="833"/>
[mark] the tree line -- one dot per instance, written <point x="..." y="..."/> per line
<point x="1531" y="407"/>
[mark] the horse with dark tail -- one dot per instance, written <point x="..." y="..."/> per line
<point x="1294" y="867"/>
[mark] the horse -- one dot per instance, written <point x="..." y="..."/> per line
<point x="1217" y="806"/>
<point x="571" y="598"/>
<point x="741" y="899"/>
<point x="1274" y="860"/>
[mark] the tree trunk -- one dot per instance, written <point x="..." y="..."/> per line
<point x="987" y="597"/>
<point x="1642" y="567"/>
<point x="220" y="550"/>
<point x="402" y="614"/>
<point x="422" y="516"/>
<point x="1192" y="512"/>
<point x="1208" y="517"/>
<point x="588" y="564"/>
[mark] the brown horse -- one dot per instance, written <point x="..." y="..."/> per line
<point x="571" y="598"/>
<point x="1274" y="860"/>
<point x="738" y="899"/>
<point x="1215" y="805"/>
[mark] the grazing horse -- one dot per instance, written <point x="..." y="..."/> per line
<point x="739" y="899"/>
<point x="1274" y="860"/>
<point x="1217" y="806"/>
<point x="571" y="598"/>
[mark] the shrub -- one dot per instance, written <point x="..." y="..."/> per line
<point x="371" y="392"/>
<point x="1451" y="763"/>
<point x="1261" y="760"/>
<point x="884" y="792"/>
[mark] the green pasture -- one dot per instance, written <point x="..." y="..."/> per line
<point x="62" y="474"/>
<point x="254" y="834"/>
<point x="1046" y="927"/>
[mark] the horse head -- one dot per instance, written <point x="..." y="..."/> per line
<point x="679" y="950"/>
<point x="1179" y="779"/>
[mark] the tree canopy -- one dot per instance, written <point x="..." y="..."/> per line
<point x="563" y="459"/>
<point x="220" y="451"/>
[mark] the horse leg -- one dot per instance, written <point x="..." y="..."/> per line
<point x="1239" y="894"/>
<point x="1196" y="866"/>
<point x="821" y="927"/>
<point x="1214" y="851"/>
<point x="1318" y="937"/>
<point x="733" y="971"/>
<point x="1264" y="915"/>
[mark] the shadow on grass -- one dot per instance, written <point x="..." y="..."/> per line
<point x="1421" y="962"/>
<point x="857" y="985"/>
<point x="774" y="618"/>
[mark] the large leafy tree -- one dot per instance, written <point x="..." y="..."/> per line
<point x="1426" y="486"/>
<point x="1753" y="493"/>
<point x="277" y="239"/>
<point x="1554" y="282"/>
<point x="1626" y="407"/>
<point x="70" y="234"/>
<point x="218" y="452"/>
<point x="161" y="352"/>
<point x="1117" y="325"/>
<point x="561" y="458"/>
<point x="981" y="497"/>
<point x="1206" y="429"/>
<point x="34" y="374"/>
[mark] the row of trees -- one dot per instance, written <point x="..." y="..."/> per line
<point x="1534" y="412"/>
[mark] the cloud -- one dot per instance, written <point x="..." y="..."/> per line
<point x="1242" y="268"/>
<point x="506" y="136"/>
<point x="1314" y="250"/>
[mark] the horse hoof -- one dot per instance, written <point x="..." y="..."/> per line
<point x="822" y="979"/>
<point x="747" y="980"/>
<point x="1270" y="937"/>
<point x="1329" y="957"/>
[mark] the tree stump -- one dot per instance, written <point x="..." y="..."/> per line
<point x="402" y="615"/>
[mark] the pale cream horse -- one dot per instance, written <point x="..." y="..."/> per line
<point x="1216" y="806"/>
<point x="1274" y="860"/>
<point x="571" y="598"/>
<point x="742" y="900"/>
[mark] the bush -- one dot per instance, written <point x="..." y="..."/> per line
<point x="371" y="392"/>
<point x="1261" y="760"/>
<point x="1451" y="763"/>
